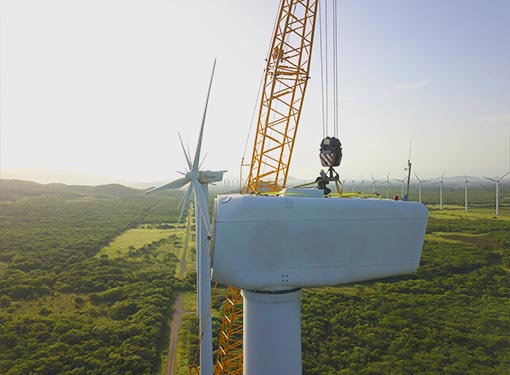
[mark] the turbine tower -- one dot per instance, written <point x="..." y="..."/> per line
<point x="199" y="181"/>
<point x="497" y="180"/>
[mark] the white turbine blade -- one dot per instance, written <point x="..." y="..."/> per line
<point x="185" y="202"/>
<point x="488" y="178"/>
<point x="199" y="144"/>
<point x="176" y="184"/>
<point x="502" y="177"/>
<point x="202" y="204"/>
<point x="186" y="154"/>
<point x="202" y="162"/>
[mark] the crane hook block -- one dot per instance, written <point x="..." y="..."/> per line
<point x="331" y="152"/>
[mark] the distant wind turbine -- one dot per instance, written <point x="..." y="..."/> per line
<point x="466" y="182"/>
<point x="388" y="183"/>
<point x="419" y="186"/>
<point x="441" y="191"/>
<point x="408" y="169"/>
<point x="497" y="180"/>
<point x="352" y="185"/>
<point x="402" y="181"/>
<point x="374" y="181"/>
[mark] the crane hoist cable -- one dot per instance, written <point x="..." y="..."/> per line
<point x="331" y="147"/>
<point x="336" y="82"/>
<point x="252" y="121"/>
<point x="329" y="66"/>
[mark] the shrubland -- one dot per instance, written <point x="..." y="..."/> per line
<point x="79" y="297"/>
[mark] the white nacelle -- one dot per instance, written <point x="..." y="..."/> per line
<point x="277" y="243"/>
<point x="206" y="177"/>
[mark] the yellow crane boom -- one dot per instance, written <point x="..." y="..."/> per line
<point x="284" y="87"/>
<point x="285" y="82"/>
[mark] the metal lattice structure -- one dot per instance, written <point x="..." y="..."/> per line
<point x="229" y="359"/>
<point x="285" y="82"/>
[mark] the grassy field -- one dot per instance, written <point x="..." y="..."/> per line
<point x="162" y="242"/>
<point x="134" y="239"/>
<point x="457" y="212"/>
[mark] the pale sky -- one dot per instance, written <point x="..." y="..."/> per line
<point x="101" y="87"/>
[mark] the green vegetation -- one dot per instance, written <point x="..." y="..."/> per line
<point x="68" y="308"/>
<point x="87" y="283"/>
<point x="451" y="317"/>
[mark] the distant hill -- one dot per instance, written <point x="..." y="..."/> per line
<point x="14" y="189"/>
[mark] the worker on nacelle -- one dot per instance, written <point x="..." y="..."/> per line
<point x="322" y="181"/>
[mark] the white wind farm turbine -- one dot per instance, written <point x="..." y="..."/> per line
<point x="419" y="186"/>
<point x="362" y="183"/>
<point x="199" y="181"/>
<point x="497" y="181"/>
<point x="388" y="183"/>
<point x="466" y="182"/>
<point x="374" y="182"/>
<point x="352" y="185"/>
<point x="441" y="191"/>
<point x="402" y="181"/>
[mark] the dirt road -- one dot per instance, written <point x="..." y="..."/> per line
<point x="178" y="313"/>
<point x="174" y="331"/>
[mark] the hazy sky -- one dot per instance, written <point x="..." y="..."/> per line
<point x="101" y="87"/>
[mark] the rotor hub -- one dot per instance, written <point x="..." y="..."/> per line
<point x="192" y="175"/>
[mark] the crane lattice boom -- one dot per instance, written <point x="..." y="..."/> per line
<point x="285" y="81"/>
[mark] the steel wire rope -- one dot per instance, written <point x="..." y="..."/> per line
<point x="335" y="69"/>
<point x="323" y="94"/>
<point x="255" y="107"/>
<point x="325" y="57"/>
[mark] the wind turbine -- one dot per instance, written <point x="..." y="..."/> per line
<point x="388" y="183"/>
<point x="441" y="191"/>
<point x="374" y="181"/>
<point x="466" y="182"/>
<point x="352" y="184"/>
<point x="402" y="181"/>
<point x="497" y="180"/>
<point x="408" y="169"/>
<point x="267" y="247"/>
<point x="199" y="181"/>
<point x="362" y="182"/>
<point x="419" y="186"/>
